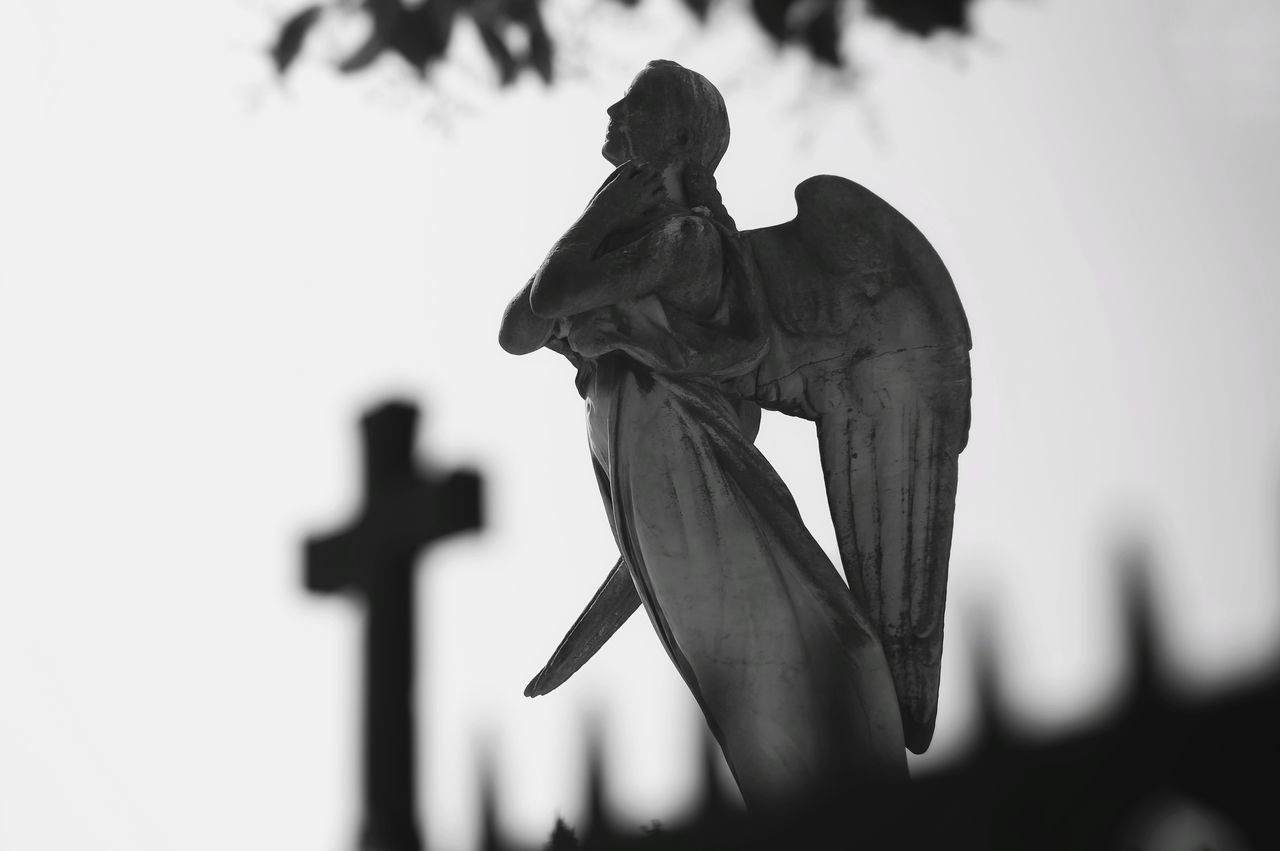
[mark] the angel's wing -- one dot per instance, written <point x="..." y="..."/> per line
<point x="870" y="341"/>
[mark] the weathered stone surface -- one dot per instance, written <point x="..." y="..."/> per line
<point x="681" y="329"/>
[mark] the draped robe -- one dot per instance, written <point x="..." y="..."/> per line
<point x="786" y="667"/>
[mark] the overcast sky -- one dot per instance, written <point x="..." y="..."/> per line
<point x="206" y="276"/>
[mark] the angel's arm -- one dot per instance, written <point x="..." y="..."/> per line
<point x="583" y="274"/>
<point x="522" y="331"/>
<point x="630" y="241"/>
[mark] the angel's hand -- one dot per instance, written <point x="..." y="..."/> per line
<point x="633" y="192"/>
<point x="612" y="176"/>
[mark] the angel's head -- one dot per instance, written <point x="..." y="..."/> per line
<point x="668" y="115"/>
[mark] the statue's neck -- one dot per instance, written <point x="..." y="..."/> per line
<point x="673" y="181"/>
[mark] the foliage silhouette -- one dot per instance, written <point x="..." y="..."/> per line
<point x="516" y="38"/>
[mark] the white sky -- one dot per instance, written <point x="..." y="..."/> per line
<point x="206" y="277"/>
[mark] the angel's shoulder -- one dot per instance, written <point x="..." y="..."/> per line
<point x="668" y="229"/>
<point x="695" y="254"/>
<point x="688" y="229"/>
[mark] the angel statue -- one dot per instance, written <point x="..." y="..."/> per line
<point x="681" y="329"/>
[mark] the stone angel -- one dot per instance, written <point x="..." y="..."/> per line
<point x="681" y="329"/>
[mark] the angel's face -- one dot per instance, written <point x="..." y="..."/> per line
<point x="647" y="125"/>
<point x="617" y="142"/>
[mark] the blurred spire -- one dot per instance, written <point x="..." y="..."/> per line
<point x="1146" y="692"/>
<point x="994" y="731"/>
<point x="600" y="827"/>
<point x="562" y="838"/>
<point x="490" y="830"/>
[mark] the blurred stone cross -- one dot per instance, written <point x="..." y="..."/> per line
<point x="404" y="510"/>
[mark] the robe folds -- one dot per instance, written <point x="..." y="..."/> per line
<point x="785" y="665"/>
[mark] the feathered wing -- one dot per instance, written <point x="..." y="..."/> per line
<point x="869" y="341"/>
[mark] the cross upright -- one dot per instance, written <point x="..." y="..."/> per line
<point x="403" y="511"/>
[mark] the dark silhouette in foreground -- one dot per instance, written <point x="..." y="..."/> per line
<point x="1160" y="765"/>
<point x="373" y="558"/>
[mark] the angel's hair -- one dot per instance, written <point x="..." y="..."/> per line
<point x="697" y="106"/>
<point x="700" y="190"/>
<point x="694" y="105"/>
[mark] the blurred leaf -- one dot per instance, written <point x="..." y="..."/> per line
<point x="364" y="56"/>
<point x="384" y="15"/>
<point x="822" y="35"/>
<point x="498" y="52"/>
<point x="541" y="51"/>
<point x="418" y="34"/>
<point x="293" y="34"/>
<point x="700" y="8"/>
<point x="772" y="16"/>
<point x="422" y="32"/>
<point x="813" y="23"/>
<point x="494" y="19"/>
<point x="924" y="17"/>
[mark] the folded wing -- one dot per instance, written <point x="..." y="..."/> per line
<point x="869" y="340"/>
